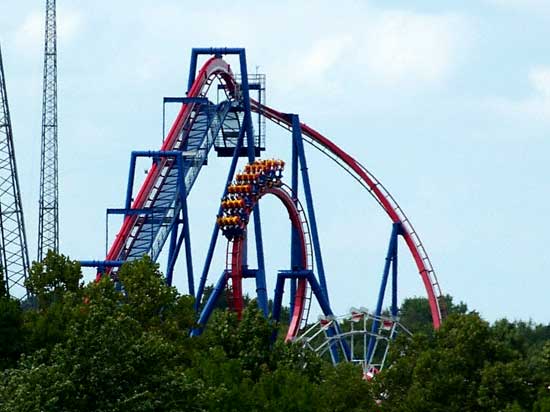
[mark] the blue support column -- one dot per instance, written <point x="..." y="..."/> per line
<point x="293" y="286"/>
<point x="247" y="126"/>
<point x="278" y="297"/>
<point x="175" y="243"/>
<point x="390" y="257"/>
<point x="261" y="288"/>
<point x="394" y="304"/>
<point x="172" y="253"/>
<point x="172" y="262"/>
<point x="210" y="304"/>
<point x="192" y="69"/>
<point x="294" y="238"/>
<point x="185" y="229"/>
<point x="247" y="120"/>
<point x="106" y="233"/>
<point x="327" y="311"/>
<point x="130" y="187"/>
<point x="277" y="303"/>
<point x="216" y="230"/>
<point x="297" y="137"/>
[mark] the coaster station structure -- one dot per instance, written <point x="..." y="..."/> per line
<point x="156" y="217"/>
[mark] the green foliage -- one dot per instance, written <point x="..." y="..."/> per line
<point x="416" y="316"/>
<point x="3" y="288"/>
<point x="543" y="401"/>
<point x="146" y="293"/>
<point x="505" y="386"/>
<point x="467" y="365"/>
<point x="50" y="279"/>
<point x="99" y="348"/>
<point x="11" y="332"/>
<point x="56" y="286"/>
<point x="94" y="347"/>
<point x="344" y="389"/>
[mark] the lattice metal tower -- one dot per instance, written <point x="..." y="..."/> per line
<point x="13" y="242"/>
<point x="48" y="220"/>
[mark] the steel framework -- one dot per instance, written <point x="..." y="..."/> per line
<point x="48" y="212"/>
<point x="158" y="211"/>
<point x="13" y="240"/>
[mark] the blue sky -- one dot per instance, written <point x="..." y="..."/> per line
<point x="447" y="103"/>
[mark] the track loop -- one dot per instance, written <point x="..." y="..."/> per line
<point x="257" y="180"/>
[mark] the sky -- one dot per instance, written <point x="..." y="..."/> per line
<point x="447" y="103"/>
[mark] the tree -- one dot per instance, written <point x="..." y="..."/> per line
<point x="445" y="374"/>
<point x="107" y="363"/>
<point x="125" y="345"/>
<point x="50" y="279"/>
<point x="416" y="316"/>
<point x="110" y="357"/>
<point x="12" y="338"/>
<point x="505" y="386"/>
<point x="11" y="327"/>
<point x="146" y="295"/>
<point x="3" y="288"/>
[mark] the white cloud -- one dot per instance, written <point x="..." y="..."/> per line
<point x="325" y="54"/>
<point x="540" y="80"/>
<point x="69" y="24"/>
<point x="312" y="67"/>
<point x="524" y="5"/>
<point x="536" y="106"/>
<point x="406" y="48"/>
<point x="315" y="50"/>
<point x="147" y="68"/>
<point x="385" y="48"/>
<point x="29" y="36"/>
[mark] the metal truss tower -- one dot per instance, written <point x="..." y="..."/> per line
<point x="48" y="220"/>
<point x="14" y="257"/>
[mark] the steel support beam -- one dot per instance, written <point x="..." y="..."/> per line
<point x="391" y="258"/>
<point x="216" y="230"/>
<point x="294" y="237"/>
<point x="298" y="141"/>
<point x="210" y="304"/>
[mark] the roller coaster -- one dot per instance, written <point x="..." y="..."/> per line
<point x="156" y="218"/>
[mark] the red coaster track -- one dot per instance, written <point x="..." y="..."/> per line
<point x="216" y="67"/>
